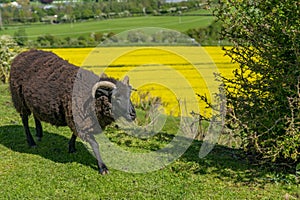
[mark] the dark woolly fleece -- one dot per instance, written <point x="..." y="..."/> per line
<point x="41" y="83"/>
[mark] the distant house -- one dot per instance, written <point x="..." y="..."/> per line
<point x="11" y="4"/>
<point x="50" y="19"/>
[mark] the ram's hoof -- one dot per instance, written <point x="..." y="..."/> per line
<point x="72" y="150"/>
<point x="104" y="172"/>
<point x="32" y="144"/>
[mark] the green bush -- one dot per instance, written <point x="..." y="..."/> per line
<point x="209" y="35"/>
<point x="20" y="36"/>
<point x="8" y="50"/>
<point x="264" y="94"/>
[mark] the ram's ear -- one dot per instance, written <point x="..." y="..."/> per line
<point x="103" y="75"/>
<point x="126" y="80"/>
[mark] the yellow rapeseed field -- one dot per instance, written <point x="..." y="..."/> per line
<point x="174" y="73"/>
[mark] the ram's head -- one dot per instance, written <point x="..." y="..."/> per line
<point x="113" y="100"/>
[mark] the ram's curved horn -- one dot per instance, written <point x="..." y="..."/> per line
<point x="102" y="84"/>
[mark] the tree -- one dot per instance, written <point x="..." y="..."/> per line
<point x="8" y="50"/>
<point x="264" y="94"/>
<point x="24" y="14"/>
<point x="23" y="2"/>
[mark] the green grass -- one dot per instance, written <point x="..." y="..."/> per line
<point x="49" y="172"/>
<point x="179" y="23"/>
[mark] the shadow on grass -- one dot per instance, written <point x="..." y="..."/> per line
<point x="53" y="146"/>
<point x="225" y="163"/>
<point x="222" y="162"/>
<point x="233" y="165"/>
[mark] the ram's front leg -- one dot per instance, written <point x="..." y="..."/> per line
<point x="95" y="146"/>
<point x="72" y="141"/>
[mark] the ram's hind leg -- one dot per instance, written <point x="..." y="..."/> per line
<point x="29" y="137"/>
<point x="38" y="129"/>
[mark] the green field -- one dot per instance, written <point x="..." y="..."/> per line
<point x="179" y="23"/>
<point x="49" y="172"/>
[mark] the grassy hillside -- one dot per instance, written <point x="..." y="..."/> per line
<point x="180" y="23"/>
<point x="49" y="172"/>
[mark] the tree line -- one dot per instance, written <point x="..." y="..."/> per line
<point x="204" y="36"/>
<point x="26" y="11"/>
